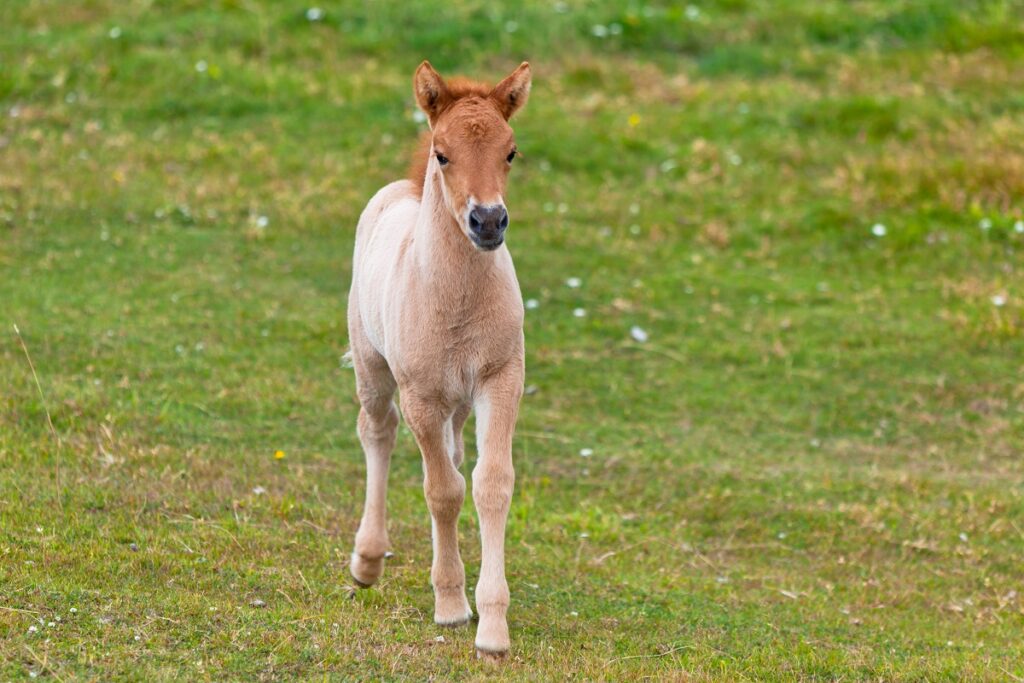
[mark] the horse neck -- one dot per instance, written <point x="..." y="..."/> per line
<point x="447" y="262"/>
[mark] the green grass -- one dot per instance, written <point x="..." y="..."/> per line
<point x="812" y="469"/>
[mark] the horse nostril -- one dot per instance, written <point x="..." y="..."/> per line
<point x="503" y="223"/>
<point x="475" y="220"/>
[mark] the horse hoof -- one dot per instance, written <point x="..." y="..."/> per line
<point x="365" y="571"/>
<point x="454" y="622"/>
<point x="358" y="583"/>
<point x="491" y="656"/>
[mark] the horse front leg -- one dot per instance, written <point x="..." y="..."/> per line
<point x="497" y="406"/>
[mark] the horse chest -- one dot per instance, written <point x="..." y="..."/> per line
<point x="452" y="350"/>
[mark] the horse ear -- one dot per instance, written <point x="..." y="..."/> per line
<point x="511" y="94"/>
<point x="431" y="92"/>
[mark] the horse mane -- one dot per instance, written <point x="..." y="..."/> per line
<point x="458" y="88"/>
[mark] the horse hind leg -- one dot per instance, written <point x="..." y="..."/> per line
<point x="454" y="436"/>
<point x="444" y="488"/>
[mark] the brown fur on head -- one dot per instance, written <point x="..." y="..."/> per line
<point x="470" y="141"/>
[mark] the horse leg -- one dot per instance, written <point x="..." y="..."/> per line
<point x="445" y="489"/>
<point x="497" y="405"/>
<point x="457" y="422"/>
<point x="377" y="428"/>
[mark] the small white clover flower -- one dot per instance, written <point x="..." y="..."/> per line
<point x="532" y="304"/>
<point x="579" y="312"/>
<point x="202" y="66"/>
<point x="599" y="30"/>
<point x="314" y="14"/>
<point x="878" y="230"/>
<point x="586" y="452"/>
<point x="573" y="283"/>
<point x="638" y="333"/>
<point x="114" y="33"/>
<point x="998" y="300"/>
<point x="985" y="224"/>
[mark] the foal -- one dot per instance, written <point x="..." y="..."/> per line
<point x="435" y="310"/>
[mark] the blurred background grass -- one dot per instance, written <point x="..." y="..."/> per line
<point x="811" y="468"/>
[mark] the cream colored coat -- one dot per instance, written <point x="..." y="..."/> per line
<point x="441" y="319"/>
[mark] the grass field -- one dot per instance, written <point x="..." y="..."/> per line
<point x="812" y="469"/>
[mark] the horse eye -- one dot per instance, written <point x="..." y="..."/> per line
<point x="511" y="156"/>
<point x="442" y="159"/>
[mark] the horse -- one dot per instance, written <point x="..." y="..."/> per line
<point x="435" y="311"/>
